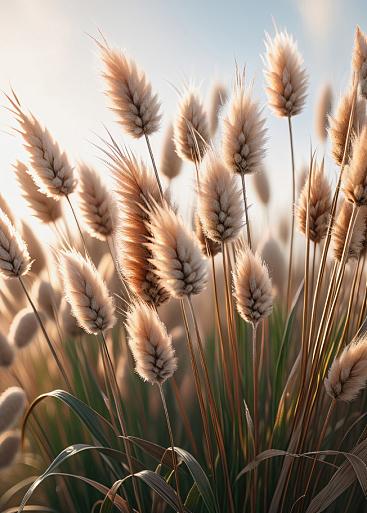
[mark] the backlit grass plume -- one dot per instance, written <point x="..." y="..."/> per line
<point x="44" y="207"/>
<point x="350" y="107"/>
<point x="252" y="286"/>
<point x="86" y="293"/>
<point x="135" y="188"/>
<point x="359" y="60"/>
<point x="285" y="75"/>
<point x="171" y="163"/>
<point x="53" y="172"/>
<point x="319" y="205"/>
<point x="348" y="373"/>
<point x="220" y="205"/>
<point x="323" y="111"/>
<point x="191" y="129"/>
<point x="355" y="182"/>
<point x="136" y="107"/>
<point x="177" y="258"/>
<point x="96" y="203"/>
<point x="340" y="230"/>
<point x="262" y="186"/>
<point x="150" y="344"/>
<point x="218" y="98"/>
<point x="14" y="257"/>
<point x="244" y="133"/>
<point x="12" y="405"/>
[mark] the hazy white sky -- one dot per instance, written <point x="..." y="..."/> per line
<point x="47" y="57"/>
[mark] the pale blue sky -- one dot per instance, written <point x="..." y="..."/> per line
<point x="47" y="57"/>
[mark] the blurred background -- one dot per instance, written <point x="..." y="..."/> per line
<point x="47" y="56"/>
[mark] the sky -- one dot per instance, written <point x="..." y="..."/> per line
<point x="48" y="58"/>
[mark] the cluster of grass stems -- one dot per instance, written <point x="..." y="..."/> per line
<point x="250" y="360"/>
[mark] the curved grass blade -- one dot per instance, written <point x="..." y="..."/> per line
<point x="61" y="458"/>
<point x="92" y="420"/>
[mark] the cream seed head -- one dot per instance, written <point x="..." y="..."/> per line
<point x="150" y="344"/>
<point x="350" y="104"/>
<point x="340" y="230"/>
<point x="177" y="258"/>
<point x="171" y="163"/>
<point x="191" y="130"/>
<point x="45" y="208"/>
<point x="14" y="257"/>
<point x="359" y="60"/>
<point x="348" y="373"/>
<point x="52" y="171"/>
<point x="218" y="99"/>
<point x="252" y="286"/>
<point x="96" y="203"/>
<point x="319" y="205"/>
<point x="355" y="181"/>
<point x="86" y="293"/>
<point x="135" y="188"/>
<point x="244" y="133"/>
<point x="220" y="204"/>
<point x="323" y="111"/>
<point x="286" y="77"/>
<point x="136" y="107"/>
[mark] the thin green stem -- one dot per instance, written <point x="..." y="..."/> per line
<point x="77" y="224"/>
<point x="289" y="286"/>
<point x="246" y="210"/>
<point x="174" y="456"/>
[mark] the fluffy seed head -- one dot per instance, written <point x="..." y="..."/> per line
<point x="12" y="404"/>
<point x="208" y="246"/>
<point x="252" y="286"/>
<point x="285" y="75"/>
<point x="359" y="60"/>
<point x="170" y="162"/>
<point x="9" y="446"/>
<point x="35" y="248"/>
<point x="323" y="110"/>
<point x="348" y="373"/>
<point x="86" y="292"/>
<point x="135" y="189"/>
<point x="6" y="352"/>
<point x="340" y="230"/>
<point x="137" y="109"/>
<point x="355" y="183"/>
<point x="218" y="99"/>
<point x="23" y="328"/>
<point x="339" y="124"/>
<point x="177" y="258"/>
<point x="52" y="171"/>
<point x="96" y="203"/>
<point x="262" y="186"/>
<point x="244" y="133"/>
<point x="45" y="208"/>
<point x="150" y="344"/>
<point x="14" y="257"/>
<point x="319" y="205"/>
<point x="191" y="131"/>
<point x="220" y="205"/>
